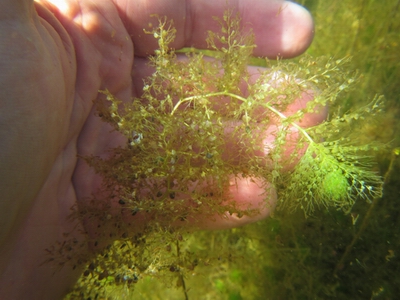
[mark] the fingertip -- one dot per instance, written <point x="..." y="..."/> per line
<point x="297" y="29"/>
<point x="249" y="194"/>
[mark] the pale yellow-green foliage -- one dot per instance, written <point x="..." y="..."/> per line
<point x="201" y="121"/>
<point x="179" y="144"/>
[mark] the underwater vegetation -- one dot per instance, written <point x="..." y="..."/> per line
<point x="178" y="141"/>
<point x="192" y="109"/>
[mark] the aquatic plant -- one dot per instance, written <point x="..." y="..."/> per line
<point x="192" y="110"/>
<point x="178" y="161"/>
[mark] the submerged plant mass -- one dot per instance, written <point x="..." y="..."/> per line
<point x="200" y="121"/>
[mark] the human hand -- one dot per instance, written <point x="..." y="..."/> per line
<point x="55" y="56"/>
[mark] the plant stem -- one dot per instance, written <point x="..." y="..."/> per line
<point x="269" y="107"/>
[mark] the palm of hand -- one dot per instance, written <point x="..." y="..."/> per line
<point x="58" y="123"/>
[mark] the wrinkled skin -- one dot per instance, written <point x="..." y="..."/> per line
<point x="54" y="57"/>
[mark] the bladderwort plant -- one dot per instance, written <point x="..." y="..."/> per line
<point x="178" y="138"/>
<point x="192" y="110"/>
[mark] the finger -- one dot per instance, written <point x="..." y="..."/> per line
<point x="281" y="28"/>
<point x="249" y="195"/>
<point x="254" y="199"/>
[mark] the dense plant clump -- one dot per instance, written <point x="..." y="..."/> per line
<point x="200" y="123"/>
<point x="182" y="129"/>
